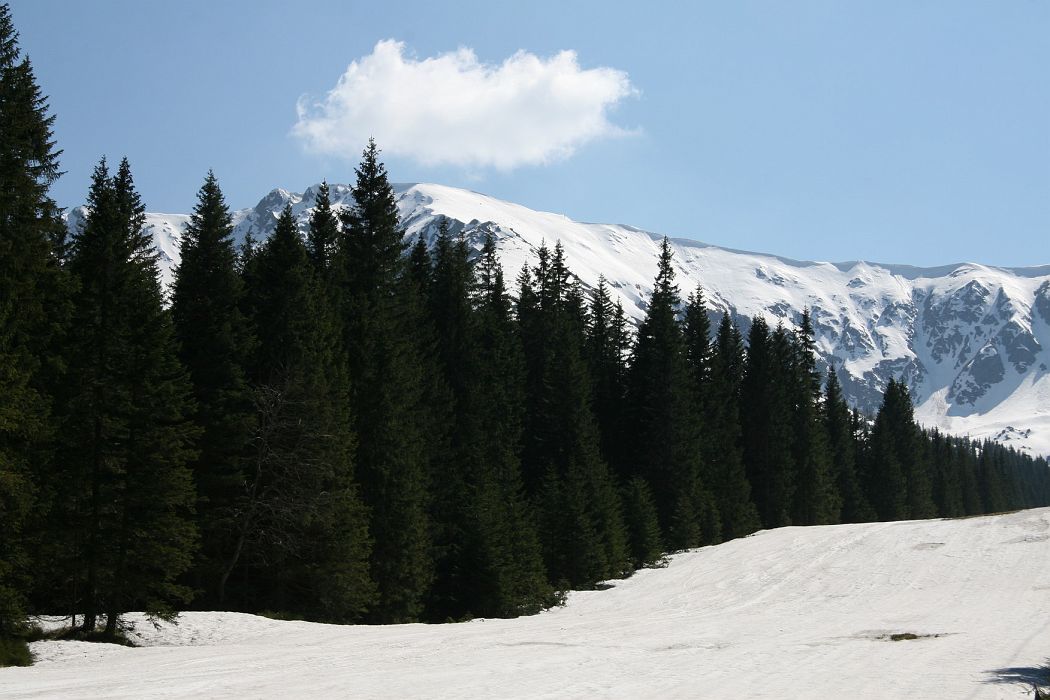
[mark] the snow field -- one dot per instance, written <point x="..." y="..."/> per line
<point x="786" y="613"/>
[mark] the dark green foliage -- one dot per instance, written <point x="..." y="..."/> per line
<point x="643" y="526"/>
<point x="214" y="346"/>
<point x="993" y="480"/>
<point x="766" y="423"/>
<point x="14" y="652"/>
<point x="514" y="556"/>
<point x="33" y="302"/>
<point x="607" y="347"/>
<point x="667" y="442"/>
<point x="948" y="480"/>
<point x="581" y="521"/>
<point x="697" y="335"/>
<point x="125" y="493"/>
<point x="323" y="233"/>
<point x="381" y="310"/>
<point x="721" y="440"/>
<point x="300" y="526"/>
<point x="487" y="554"/>
<point x="816" y="499"/>
<point x="842" y="445"/>
<point x="899" y="482"/>
<point x="459" y="534"/>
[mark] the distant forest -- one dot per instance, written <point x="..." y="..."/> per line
<point x="342" y="427"/>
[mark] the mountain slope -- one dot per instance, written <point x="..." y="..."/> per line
<point x="971" y="341"/>
<point x="787" y="613"/>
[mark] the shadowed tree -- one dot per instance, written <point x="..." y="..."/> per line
<point x="127" y="440"/>
<point x="33" y="306"/>
<point x="301" y="525"/>
<point x="667" y="441"/>
<point x="381" y="310"/>
<point x="214" y="346"/>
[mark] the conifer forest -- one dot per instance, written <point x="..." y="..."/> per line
<point x="338" y="424"/>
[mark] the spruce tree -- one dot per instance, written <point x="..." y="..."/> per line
<point x="582" y="531"/>
<point x="302" y="531"/>
<point x="817" y="500"/>
<point x="607" y="347"/>
<point x="33" y="304"/>
<point x="126" y="491"/>
<point x="968" y="477"/>
<point x="667" y="444"/>
<point x="994" y="497"/>
<point x="513" y="563"/>
<point x="899" y="484"/>
<point x="697" y="333"/>
<point x="381" y="310"/>
<point x="766" y="423"/>
<point x="459" y="536"/>
<point x="946" y="462"/>
<point x="323" y="232"/>
<point x="843" y="450"/>
<point x="643" y="526"/>
<point x="214" y="346"/>
<point x="721" y="440"/>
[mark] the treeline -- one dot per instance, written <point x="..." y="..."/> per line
<point x="328" y="425"/>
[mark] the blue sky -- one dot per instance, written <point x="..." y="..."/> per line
<point x="914" y="132"/>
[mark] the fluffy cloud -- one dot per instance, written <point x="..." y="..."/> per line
<point x="453" y="109"/>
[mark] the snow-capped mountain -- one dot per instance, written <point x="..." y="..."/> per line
<point x="971" y="341"/>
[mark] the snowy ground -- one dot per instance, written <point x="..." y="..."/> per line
<point x="788" y="613"/>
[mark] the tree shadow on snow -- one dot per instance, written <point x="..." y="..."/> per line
<point x="1038" y="676"/>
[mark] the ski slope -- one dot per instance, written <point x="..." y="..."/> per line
<point x="787" y="613"/>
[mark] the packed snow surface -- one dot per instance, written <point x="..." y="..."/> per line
<point x="788" y="613"/>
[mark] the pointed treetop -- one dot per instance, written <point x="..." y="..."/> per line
<point x="665" y="290"/>
<point x="324" y="229"/>
<point x="373" y="186"/>
<point x="211" y="212"/>
<point x="8" y="38"/>
<point x="285" y="230"/>
<point x="490" y="271"/>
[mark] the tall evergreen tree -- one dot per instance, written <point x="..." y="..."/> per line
<point x="947" y="477"/>
<point x="127" y="491"/>
<point x="487" y="554"/>
<point x="302" y="527"/>
<point x="843" y="450"/>
<point x="991" y="480"/>
<point x="766" y="423"/>
<point x="899" y="485"/>
<point x="667" y="447"/>
<point x="33" y="302"/>
<point x="519" y="568"/>
<point x="721" y="440"/>
<point x="607" y="346"/>
<point x="214" y="346"/>
<point x="697" y="333"/>
<point x="582" y="527"/>
<point x="323" y="233"/>
<point x="458" y="534"/>
<point x="381" y="309"/>
<point x="643" y="525"/>
<point x="817" y="500"/>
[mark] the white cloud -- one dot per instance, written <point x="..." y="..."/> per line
<point x="453" y="109"/>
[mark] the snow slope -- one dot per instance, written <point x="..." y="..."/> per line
<point x="972" y="341"/>
<point x="787" y="613"/>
